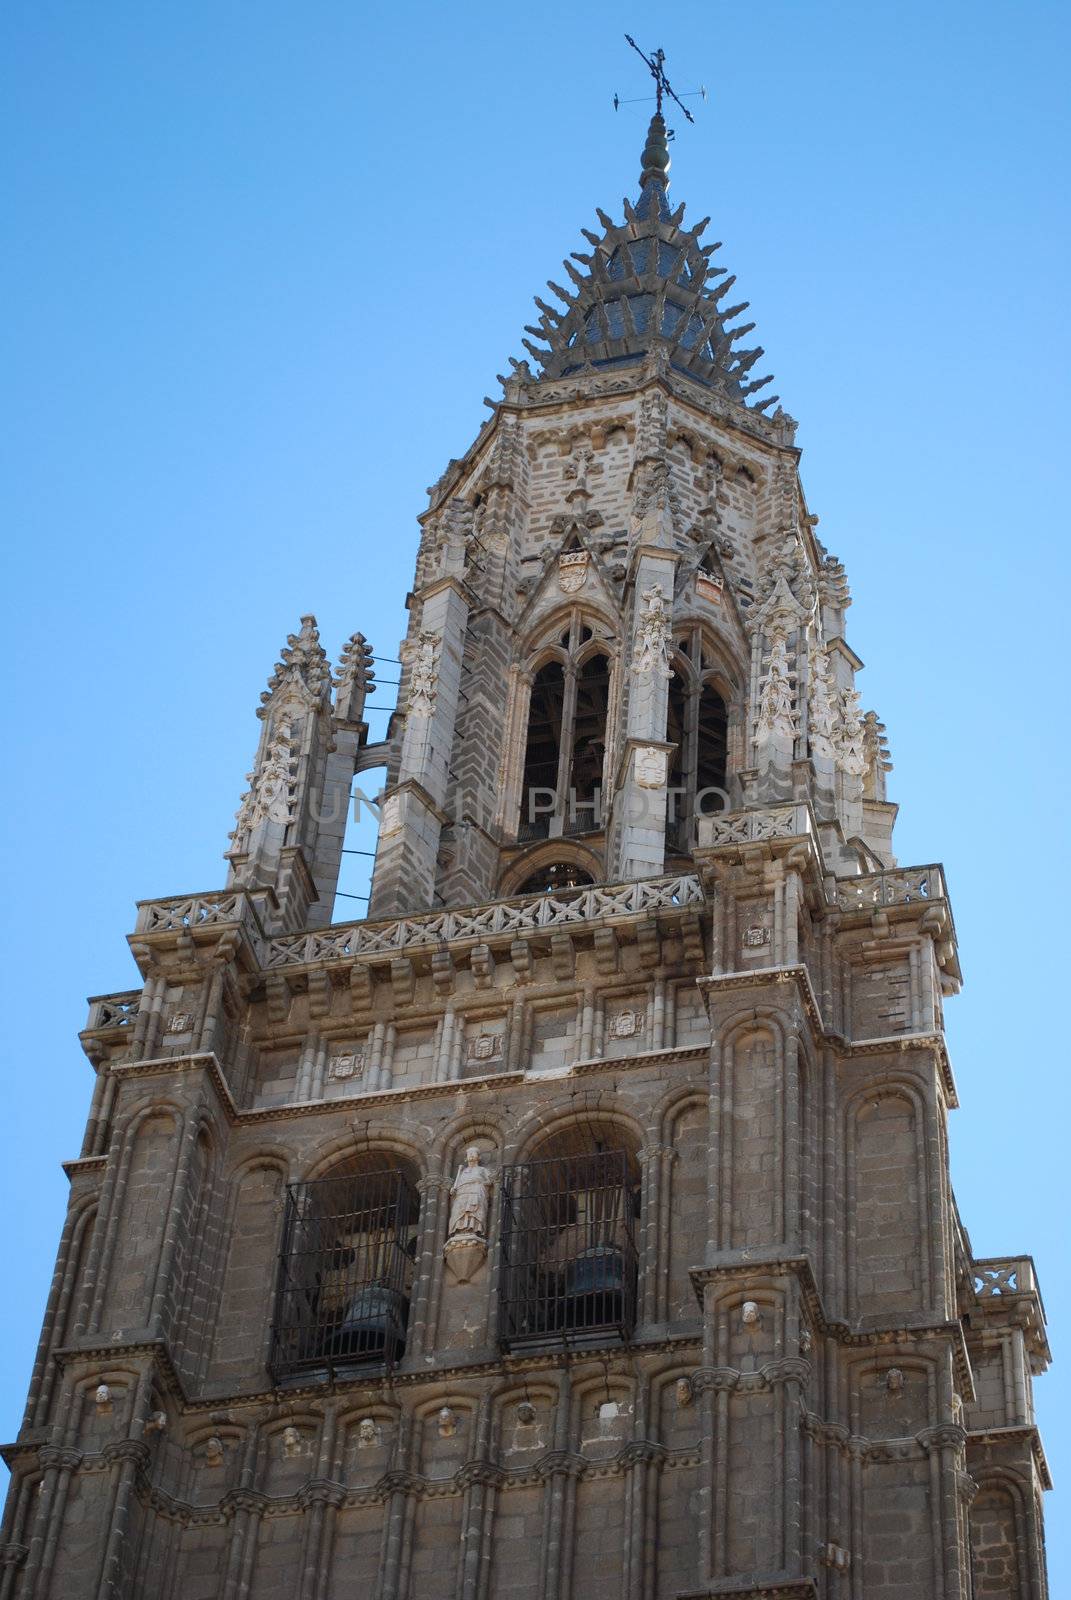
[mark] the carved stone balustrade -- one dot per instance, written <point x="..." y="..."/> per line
<point x="108" y="1012"/>
<point x="1006" y="1289"/>
<point x="897" y="887"/>
<point x="756" y="826"/>
<point x="513" y="918"/>
<point x="190" y="911"/>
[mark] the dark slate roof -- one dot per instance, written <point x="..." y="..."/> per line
<point x="649" y="280"/>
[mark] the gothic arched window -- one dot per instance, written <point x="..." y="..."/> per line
<point x="569" y="1229"/>
<point x="697" y="726"/>
<point x="346" y="1268"/>
<point x="566" y="742"/>
<point x="555" y="876"/>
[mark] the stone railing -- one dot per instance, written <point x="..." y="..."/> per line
<point x="751" y="827"/>
<point x="525" y="915"/>
<point x="996" y="1279"/>
<point x="190" y="911"/>
<point x="113" y="1010"/>
<point x="897" y="887"/>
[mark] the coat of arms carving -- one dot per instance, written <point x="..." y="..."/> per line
<point x="572" y="571"/>
<point x="652" y="766"/>
<point x="626" y="1024"/>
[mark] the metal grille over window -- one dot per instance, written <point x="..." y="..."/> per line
<point x="345" y="1273"/>
<point x="569" y="1249"/>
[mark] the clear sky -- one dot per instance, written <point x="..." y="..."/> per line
<point x="263" y="263"/>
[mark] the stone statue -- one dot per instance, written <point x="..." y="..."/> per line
<point x="652" y="634"/>
<point x="424" y="675"/>
<point x="470" y="1197"/>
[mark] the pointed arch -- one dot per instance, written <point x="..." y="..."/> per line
<point x="703" y="697"/>
<point x="565" y="758"/>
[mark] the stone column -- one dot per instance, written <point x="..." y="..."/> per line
<point x="639" y="808"/>
<point x="413" y="814"/>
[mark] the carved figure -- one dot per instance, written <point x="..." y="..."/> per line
<point x="851" y="753"/>
<point x="822" y="717"/>
<point x="749" y="1314"/>
<point x="776" y="716"/>
<point x="291" y="1443"/>
<point x="470" y="1197"/>
<point x="652" y="634"/>
<point x="424" y="674"/>
<point x="367" y="1432"/>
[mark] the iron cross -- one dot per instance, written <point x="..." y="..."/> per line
<point x="656" y="67"/>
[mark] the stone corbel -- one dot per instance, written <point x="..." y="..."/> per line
<point x="607" y="951"/>
<point x="319" y="993"/>
<point x="649" y="942"/>
<point x="520" y="954"/>
<point x="563" y="956"/>
<point x="277" y="997"/>
<point x="443" y="975"/>
<point x="362" y="986"/>
<point x="402" y="980"/>
<point x="482" y="966"/>
<point x="692" y="937"/>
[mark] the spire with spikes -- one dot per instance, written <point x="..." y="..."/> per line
<point x="273" y="844"/>
<point x="649" y="281"/>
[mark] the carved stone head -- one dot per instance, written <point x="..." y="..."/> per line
<point x="749" y="1314"/>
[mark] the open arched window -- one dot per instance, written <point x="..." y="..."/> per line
<point x="554" y="876"/>
<point x="569" y="1225"/>
<point x="346" y="1268"/>
<point x="698" y="727"/>
<point x="565" y="746"/>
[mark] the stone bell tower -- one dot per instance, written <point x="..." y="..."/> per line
<point x="579" y="1223"/>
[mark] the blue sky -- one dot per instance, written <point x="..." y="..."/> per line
<point x="265" y="261"/>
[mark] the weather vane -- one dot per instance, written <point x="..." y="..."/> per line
<point x="656" y="67"/>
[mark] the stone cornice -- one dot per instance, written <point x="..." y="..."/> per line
<point x="84" y="1166"/>
<point x="739" y="1265"/>
<point x="749" y="978"/>
<point x="779" y="1588"/>
<point x="417" y="1485"/>
<point x="1023" y="1433"/>
<point x="642" y="1058"/>
<point x="745" y="978"/>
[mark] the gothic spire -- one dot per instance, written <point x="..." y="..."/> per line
<point x="649" y="282"/>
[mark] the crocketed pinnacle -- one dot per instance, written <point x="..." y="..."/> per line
<point x="303" y="665"/>
<point x="648" y="281"/>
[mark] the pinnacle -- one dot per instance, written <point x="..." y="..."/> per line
<point x="644" y="281"/>
<point x="302" y="657"/>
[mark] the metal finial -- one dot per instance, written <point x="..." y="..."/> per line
<point x="655" y="168"/>
<point x="655" y="159"/>
<point x="656" y="67"/>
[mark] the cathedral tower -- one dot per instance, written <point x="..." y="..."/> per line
<point x="579" y="1223"/>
